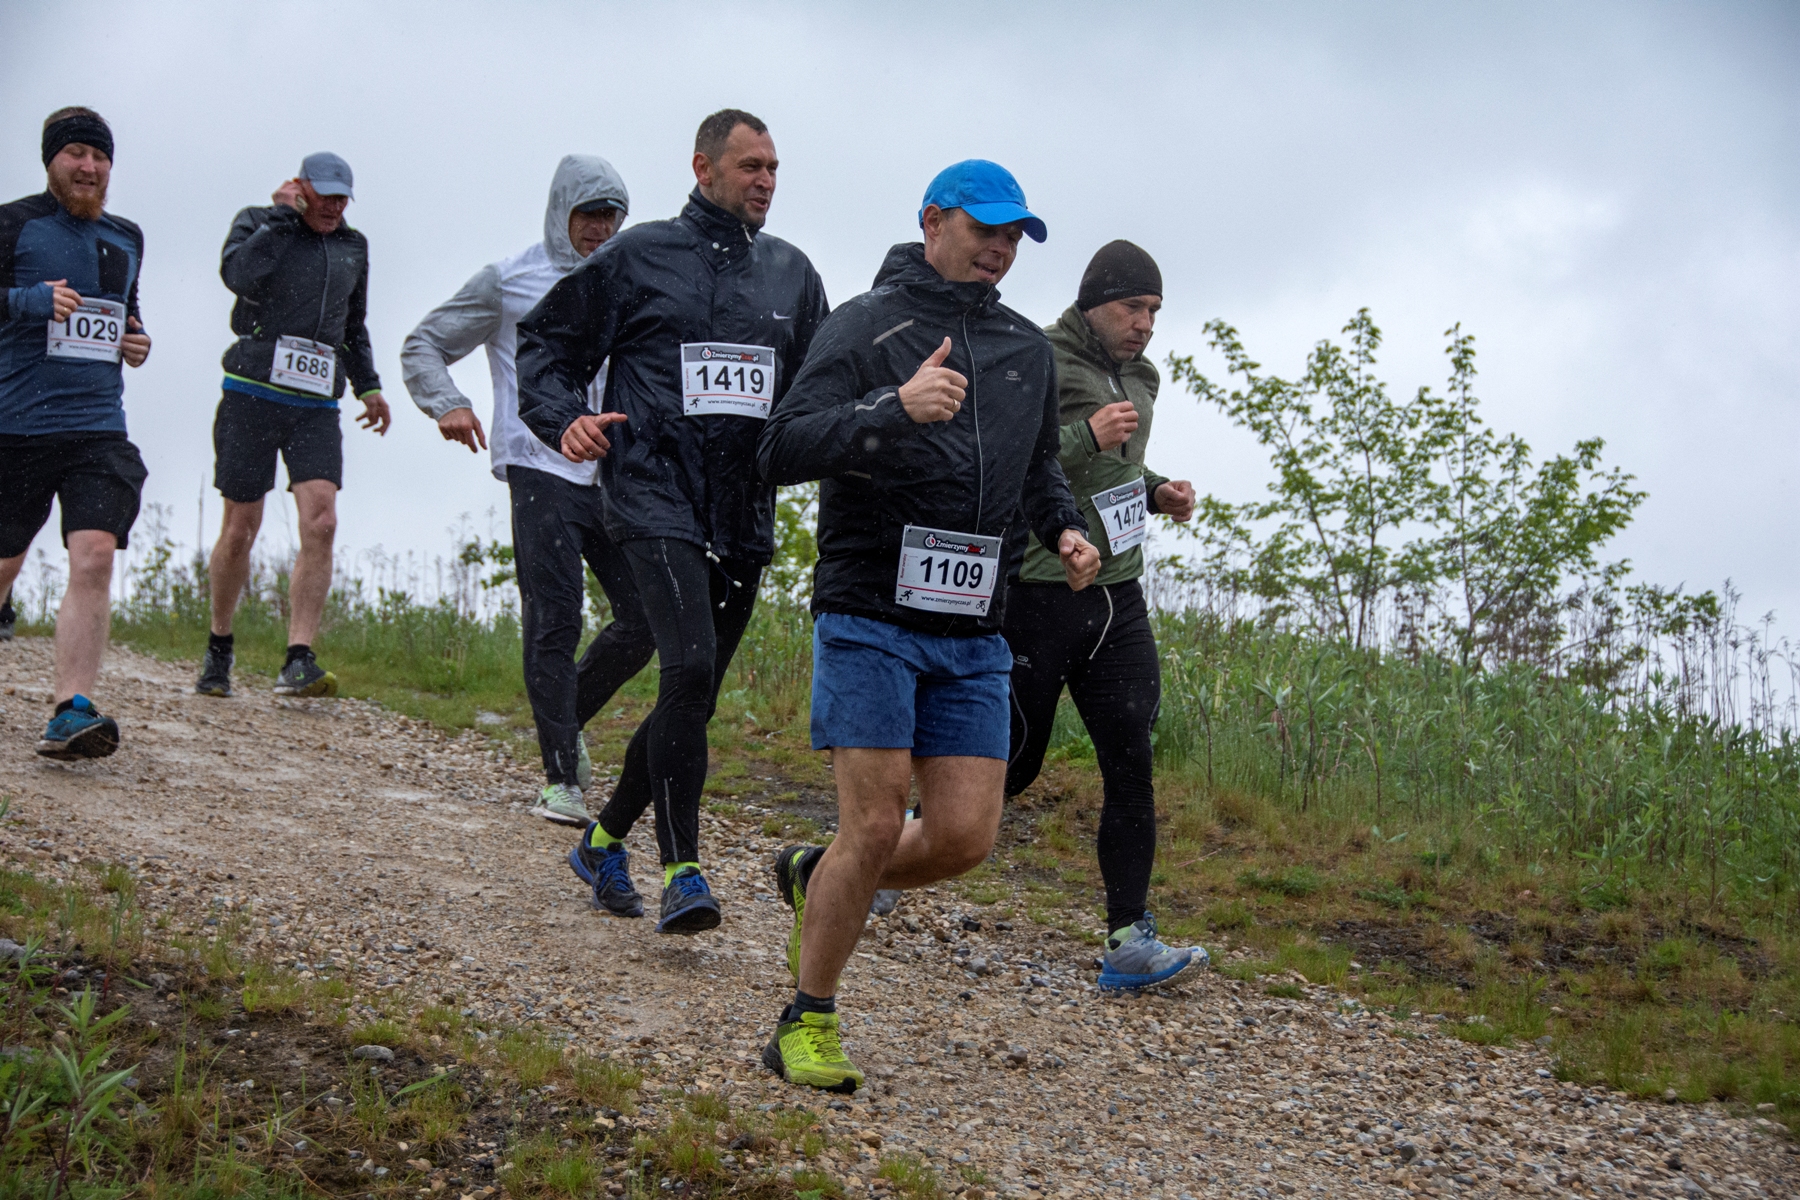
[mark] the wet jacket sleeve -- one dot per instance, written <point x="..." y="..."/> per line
<point x="253" y="248"/>
<point x="833" y="420"/>
<point x="562" y="343"/>
<point x="1049" y="508"/>
<point x="31" y="304"/>
<point x="449" y="333"/>
<point x="359" y="354"/>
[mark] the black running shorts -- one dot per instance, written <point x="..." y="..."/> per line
<point x="98" y="477"/>
<point x="248" y="433"/>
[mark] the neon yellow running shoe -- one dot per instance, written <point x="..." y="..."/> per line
<point x="808" y="1051"/>
<point x="788" y="886"/>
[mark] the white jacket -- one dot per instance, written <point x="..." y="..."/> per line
<point x="486" y="312"/>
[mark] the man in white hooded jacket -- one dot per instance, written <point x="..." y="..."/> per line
<point x="557" y="505"/>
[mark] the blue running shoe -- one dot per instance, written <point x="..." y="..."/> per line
<point x="608" y="872"/>
<point x="79" y="732"/>
<point x="1136" y="958"/>
<point x="688" y="905"/>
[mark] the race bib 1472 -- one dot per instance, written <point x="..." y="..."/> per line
<point x="720" y="379"/>
<point x="944" y="571"/>
<point x="92" y="332"/>
<point x="1124" y="514"/>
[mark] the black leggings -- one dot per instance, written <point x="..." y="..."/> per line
<point x="556" y="525"/>
<point x="697" y="609"/>
<point x="1099" y="643"/>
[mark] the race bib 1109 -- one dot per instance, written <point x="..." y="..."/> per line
<point x="720" y="379"/>
<point x="92" y="332"/>
<point x="1124" y="514"/>
<point x="944" y="571"/>
<point x="305" y="366"/>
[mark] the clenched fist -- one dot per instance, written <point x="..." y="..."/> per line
<point x="1081" y="562"/>
<point x="935" y="392"/>
<point x="1114" y="424"/>
<point x="585" y="438"/>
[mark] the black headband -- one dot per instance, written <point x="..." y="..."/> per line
<point x="89" y="131"/>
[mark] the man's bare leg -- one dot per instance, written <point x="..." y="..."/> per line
<point x="85" y="618"/>
<point x="315" y="504"/>
<point x="229" y="568"/>
<point x="961" y="798"/>
<point x="9" y="571"/>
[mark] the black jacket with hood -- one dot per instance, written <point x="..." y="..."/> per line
<point x="702" y="277"/>
<point x="990" y="466"/>
<point x="290" y="281"/>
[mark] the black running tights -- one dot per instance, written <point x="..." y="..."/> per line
<point x="1098" y="642"/>
<point x="697" y="610"/>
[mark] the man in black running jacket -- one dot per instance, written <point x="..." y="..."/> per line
<point x="705" y="321"/>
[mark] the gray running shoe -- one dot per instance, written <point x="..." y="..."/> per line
<point x="584" y="766"/>
<point x="305" y="677"/>
<point x="886" y="901"/>
<point x="563" y="804"/>
<point x="215" y="673"/>
<point x="1136" y="958"/>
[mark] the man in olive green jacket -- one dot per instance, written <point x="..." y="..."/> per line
<point x="1098" y="642"/>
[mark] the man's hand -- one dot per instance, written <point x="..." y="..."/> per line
<point x="1175" y="500"/>
<point x="1113" y="424"/>
<point x="134" y="346"/>
<point x="63" y="299"/>
<point x="375" y="414"/>
<point x="585" y="438"/>
<point x="290" y="196"/>
<point x="935" y="392"/>
<point x="462" y="425"/>
<point x="1081" y="562"/>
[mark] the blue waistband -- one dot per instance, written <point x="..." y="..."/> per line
<point x="266" y="391"/>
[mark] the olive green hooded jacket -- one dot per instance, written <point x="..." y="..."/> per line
<point x="1088" y="380"/>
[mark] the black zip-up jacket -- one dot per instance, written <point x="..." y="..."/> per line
<point x="842" y="422"/>
<point x="703" y="276"/>
<point x="293" y="282"/>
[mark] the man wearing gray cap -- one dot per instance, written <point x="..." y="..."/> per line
<point x="558" y="510"/>
<point x="301" y="277"/>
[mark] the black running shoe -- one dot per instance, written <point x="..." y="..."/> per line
<point x="305" y="677"/>
<point x="215" y="673"/>
<point x="608" y="873"/>
<point x="688" y="905"/>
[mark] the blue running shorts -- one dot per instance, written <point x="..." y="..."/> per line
<point x="881" y="687"/>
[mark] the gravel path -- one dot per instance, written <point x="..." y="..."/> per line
<point x="369" y="844"/>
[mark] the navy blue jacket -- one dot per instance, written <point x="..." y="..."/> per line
<point x="701" y="277"/>
<point x="40" y="241"/>
<point x="990" y="468"/>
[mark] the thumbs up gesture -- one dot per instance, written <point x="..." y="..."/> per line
<point x="935" y="392"/>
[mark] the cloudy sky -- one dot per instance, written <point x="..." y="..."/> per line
<point x="1607" y="195"/>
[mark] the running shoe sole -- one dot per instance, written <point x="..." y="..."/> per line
<point x="96" y="741"/>
<point x="570" y="819"/>
<point x="586" y="876"/>
<point x="772" y="1059"/>
<point x="324" y="685"/>
<point x="1111" y="981"/>
<point x="698" y="917"/>
<point x="787" y="886"/>
<point x="220" y="691"/>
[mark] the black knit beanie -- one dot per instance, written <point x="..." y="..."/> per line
<point x="1119" y="271"/>
<point x="88" y="130"/>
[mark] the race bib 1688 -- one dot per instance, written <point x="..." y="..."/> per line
<point x="304" y="365"/>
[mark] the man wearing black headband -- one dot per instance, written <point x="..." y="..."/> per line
<point x="68" y="318"/>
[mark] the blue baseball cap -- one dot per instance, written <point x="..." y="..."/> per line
<point x="986" y="191"/>
<point x="328" y="174"/>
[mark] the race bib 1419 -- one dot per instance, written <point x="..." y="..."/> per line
<point x="944" y="571"/>
<point x="720" y="379"/>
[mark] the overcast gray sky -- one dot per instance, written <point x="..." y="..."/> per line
<point x="1607" y="195"/>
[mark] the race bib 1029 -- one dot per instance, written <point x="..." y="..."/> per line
<point x="305" y="366"/>
<point x="943" y="571"/>
<point x="719" y="379"/>
<point x="1124" y="514"/>
<point x="92" y="332"/>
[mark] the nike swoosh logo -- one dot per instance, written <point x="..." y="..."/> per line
<point x="782" y="316"/>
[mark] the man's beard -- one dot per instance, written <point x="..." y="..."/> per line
<point x="85" y="207"/>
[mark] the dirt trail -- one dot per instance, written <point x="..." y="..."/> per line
<point x="367" y="844"/>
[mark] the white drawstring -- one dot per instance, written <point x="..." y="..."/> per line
<point x="1104" y="628"/>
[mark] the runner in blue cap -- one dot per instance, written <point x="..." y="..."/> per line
<point x="929" y="411"/>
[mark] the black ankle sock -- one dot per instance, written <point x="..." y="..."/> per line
<point x="63" y="706"/>
<point x="804" y="1003"/>
<point x="808" y="861"/>
<point x="297" y="651"/>
<point x="219" y="641"/>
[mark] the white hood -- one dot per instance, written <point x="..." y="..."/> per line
<point x="580" y="179"/>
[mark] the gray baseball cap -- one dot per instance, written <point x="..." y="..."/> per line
<point x="328" y="174"/>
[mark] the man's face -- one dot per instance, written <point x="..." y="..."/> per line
<point x="963" y="250"/>
<point x="742" y="179"/>
<point x="1124" y="326"/>
<point x="589" y="230"/>
<point x="78" y="176"/>
<point x="323" y="214"/>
